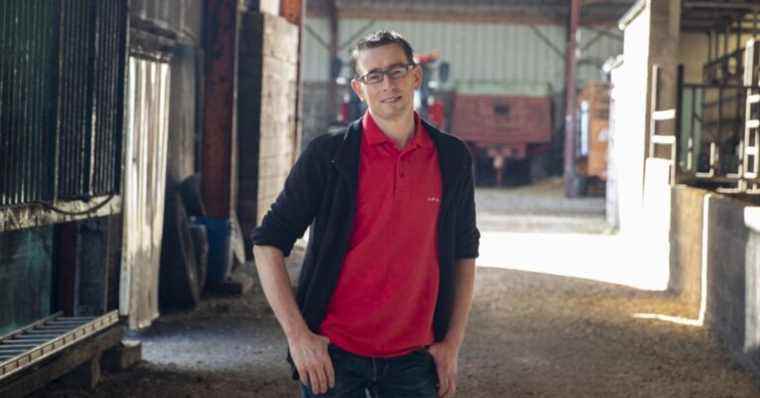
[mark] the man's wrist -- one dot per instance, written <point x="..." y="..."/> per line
<point x="296" y="333"/>
<point x="453" y="340"/>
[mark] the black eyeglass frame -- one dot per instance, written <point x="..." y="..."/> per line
<point x="386" y="72"/>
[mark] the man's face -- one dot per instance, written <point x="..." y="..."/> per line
<point x="389" y="99"/>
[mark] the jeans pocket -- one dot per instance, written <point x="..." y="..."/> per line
<point x="333" y="351"/>
<point x="426" y="354"/>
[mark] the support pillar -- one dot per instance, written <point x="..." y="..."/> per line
<point x="219" y="187"/>
<point x="332" y="50"/>
<point x="571" y="60"/>
<point x="293" y="11"/>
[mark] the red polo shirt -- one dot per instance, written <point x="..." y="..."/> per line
<point x="388" y="286"/>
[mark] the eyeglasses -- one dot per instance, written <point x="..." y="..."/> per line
<point x="394" y="73"/>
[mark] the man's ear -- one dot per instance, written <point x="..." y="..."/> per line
<point x="357" y="87"/>
<point x="417" y="74"/>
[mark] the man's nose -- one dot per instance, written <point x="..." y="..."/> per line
<point x="386" y="82"/>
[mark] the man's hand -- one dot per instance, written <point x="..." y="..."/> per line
<point x="310" y="356"/>
<point x="308" y="350"/>
<point x="446" y="356"/>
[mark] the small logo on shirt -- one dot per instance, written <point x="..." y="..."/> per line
<point x="434" y="199"/>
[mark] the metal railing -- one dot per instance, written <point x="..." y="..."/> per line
<point x="714" y="135"/>
<point x="32" y="344"/>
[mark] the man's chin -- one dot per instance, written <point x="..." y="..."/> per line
<point x="392" y="112"/>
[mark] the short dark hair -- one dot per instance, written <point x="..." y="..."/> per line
<point x="379" y="39"/>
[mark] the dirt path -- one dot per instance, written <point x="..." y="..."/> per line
<point x="531" y="335"/>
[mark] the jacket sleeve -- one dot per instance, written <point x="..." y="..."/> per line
<point x="296" y="205"/>
<point x="467" y="234"/>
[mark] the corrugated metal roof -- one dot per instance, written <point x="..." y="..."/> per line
<point x="476" y="52"/>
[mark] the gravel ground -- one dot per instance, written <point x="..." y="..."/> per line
<point x="536" y="330"/>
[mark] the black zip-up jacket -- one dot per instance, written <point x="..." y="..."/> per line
<point x="321" y="191"/>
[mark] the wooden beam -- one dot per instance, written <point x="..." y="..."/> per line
<point x="293" y="11"/>
<point x="697" y="28"/>
<point x="219" y="122"/>
<point x="605" y="2"/>
<point x="721" y="4"/>
<point x="545" y="17"/>
<point x="316" y="8"/>
<point x="67" y="268"/>
<point x="441" y="14"/>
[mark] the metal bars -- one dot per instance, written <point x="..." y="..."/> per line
<point x="27" y="42"/>
<point x="725" y="68"/>
<point x="670" y="116"/>
<point x="61" y="101"/>
<point x="109" y="72"/>
<point x="92" y="70"/>
<point x="752" y="115"/>
<point x="40" y="340"/>
<point x="719" y="129"/>
<point x="75" y="104"/>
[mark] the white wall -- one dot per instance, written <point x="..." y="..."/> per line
<point x="630" y="114"/>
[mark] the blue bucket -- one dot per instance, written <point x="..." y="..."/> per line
<point x="219" y="259"/>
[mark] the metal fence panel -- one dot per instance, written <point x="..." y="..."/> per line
<point x="27" y="73"/>
<point x="61" y="105"/>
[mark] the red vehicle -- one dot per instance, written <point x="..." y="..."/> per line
<point x="502" y="129"/>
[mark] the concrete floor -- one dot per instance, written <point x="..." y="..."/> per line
<point x="555" y="315"/>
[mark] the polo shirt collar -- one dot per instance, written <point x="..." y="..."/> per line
<point x="375" y="136"/>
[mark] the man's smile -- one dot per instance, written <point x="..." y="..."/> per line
<point x="391" y="100"/>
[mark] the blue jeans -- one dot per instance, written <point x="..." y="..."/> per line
<point x="411" y="375"/>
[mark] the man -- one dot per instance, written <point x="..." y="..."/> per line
<point x="386" y="284"/>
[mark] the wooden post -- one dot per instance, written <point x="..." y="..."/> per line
<point x="293" y="11"/>
<point x="220" y="124"/>
<point x="67" y="270"/>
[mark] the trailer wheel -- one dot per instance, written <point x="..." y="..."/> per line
<point x="179" y="282"/>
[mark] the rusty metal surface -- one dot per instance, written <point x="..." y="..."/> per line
<point x="502" y="120"/>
